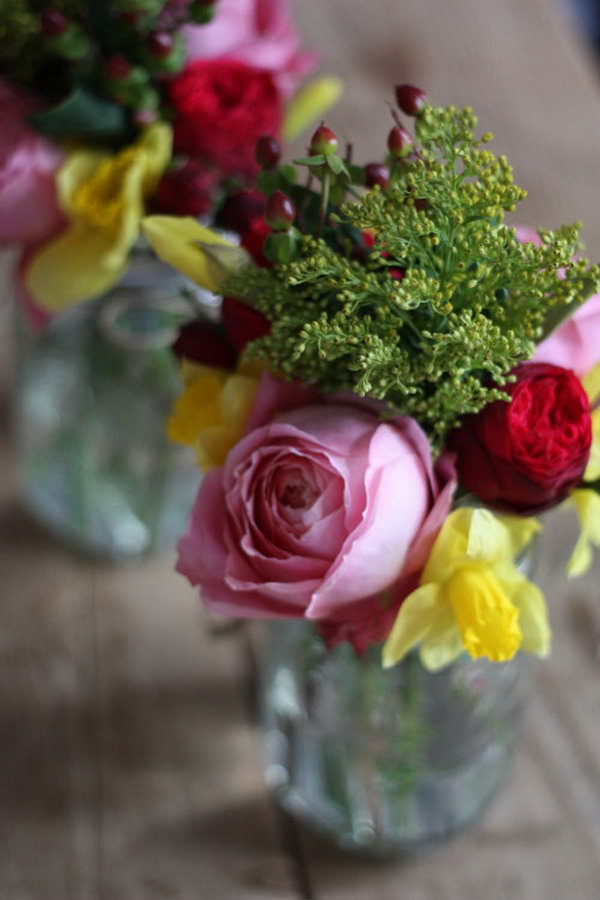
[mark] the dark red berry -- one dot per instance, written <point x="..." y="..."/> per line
<point x="280" y="212"/>
<point x="377" y="173"/>
<point x="53" y="22"/>
<point x="159" y="43"/>
<point x="411" y="100"/>
<point x="267" y="151"/>
<point x="421" y="204"/>
<point x="399" y="141"/>
<point x="324" y="141"/>
<point x="117" y="67"/>
<point x="130" y="16"/>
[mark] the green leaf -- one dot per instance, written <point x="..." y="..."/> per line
<point x="316" y="160"/>
<point x="337" y="165"/>
<point x="84" y="115"/>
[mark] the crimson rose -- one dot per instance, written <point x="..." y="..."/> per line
<point x="222" y="106"/>
<point x="526" y="455"/>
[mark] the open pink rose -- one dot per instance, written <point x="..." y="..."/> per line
<point x="323" y="513"/>
<point x="28" y="162"/>
<point x="260" y="33"/>
<point x="576" y="343"/>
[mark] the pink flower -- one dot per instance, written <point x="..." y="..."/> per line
<point x="576" y="343"/>
<point x="28" y="162"/>
<point x="260" y="33"/>
<point x="324" y="512"/>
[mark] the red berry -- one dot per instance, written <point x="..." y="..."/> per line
<point x="117" y="67"/>
<point x="377" y="173"/>
<point x="53" y="22"/>
<point x="399" y="141"/>
<point x="280" y="212"/>
<point x="411" y="100"/>
<point x="130" y="16"/>
<point x="267" y="151"/>
<point x="159" y="43"/>
<point x="324" y="141"/>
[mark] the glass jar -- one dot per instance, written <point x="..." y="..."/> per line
<point x="93" y="391"/>
<point x="384" y="762"/>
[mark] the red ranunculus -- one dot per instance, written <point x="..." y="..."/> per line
<point x="526" y="455"/>
<point x="187" y="190"/>
<point x="207" y="344"/>
<point x="242" y="323"/>
<point x="221" y="108"/>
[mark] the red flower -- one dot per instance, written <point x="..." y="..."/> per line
<point x="186" y="191"/>
<point x="222" y="107"/>
<point x="242" y="323"/>
<point x="526" y="455"/>
<point x="207" y="344"/>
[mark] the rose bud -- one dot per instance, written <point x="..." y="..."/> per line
<point x="525" y="455"/>
<point x="399" y="142"/>
<point x="410" y="99"/>
<point x="324" y="141"/>
<point x="377" y="173"/>
<point x="267" y="151"/>
<point x="242" y="323"/>
<point x="207" y="344"/>
<point x="280" y="212"/>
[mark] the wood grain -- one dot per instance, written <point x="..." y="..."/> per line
<point x="129" y="765"/>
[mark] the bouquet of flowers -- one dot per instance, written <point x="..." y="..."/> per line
<point x="401" y="383"/>
<point x="110" y="110"/>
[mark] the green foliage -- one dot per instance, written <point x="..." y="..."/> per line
<point x="473" y="301"/>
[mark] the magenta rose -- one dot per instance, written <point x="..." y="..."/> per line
<point x="324" y="512"/>
<point x="260" y="33"/>
<point x="576" y="343"/>
<point x="28" y="162"/>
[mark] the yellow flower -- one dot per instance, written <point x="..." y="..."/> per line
<point x="198" y="252"/>
<point x="472" y="596"/>
<point x="102" y="195"/>
<point x="211" y="413"/>
<point x="310" y="103"/>
<point x="587" y="506"/>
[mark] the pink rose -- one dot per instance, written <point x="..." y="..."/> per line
<point x="28" y="162"/>
<point x="576" y="343"/>
<point x="324" y="512"/>
<point x="260" y="33"/>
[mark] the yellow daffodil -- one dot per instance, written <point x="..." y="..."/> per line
<point x="211" y="413"/>
<point x="310" y="103"/>
<point x="102" y="196"/>
<point x="201" y="254"/>
<point x="587" y="506"/>
<point x="472" y="595"/>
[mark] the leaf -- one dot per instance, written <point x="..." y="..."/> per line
<point x="83" y="115"/>
<point x="317" y="160"/>
<point x="337" y="165"/>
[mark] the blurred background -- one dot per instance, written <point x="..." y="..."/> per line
<point x="129" y="761"/>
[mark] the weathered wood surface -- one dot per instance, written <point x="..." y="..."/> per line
<point x="129" y="767"/>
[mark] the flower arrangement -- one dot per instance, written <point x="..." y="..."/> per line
<point x="400" y="384"/>
<point x="110" y="110"/>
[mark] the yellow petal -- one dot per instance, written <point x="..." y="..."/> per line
<point x="419" y="614"/>
<point x="443" y="645"/>
<point x="591" y="383"/>
<point x="533" y="618"/>
<point x="310" y="103"/>
<point x="521" y="531"/>
<point x="587" y="505"/>
<point x="156" y="144"/>
<point x="78" y="264"/>
<point x="79" y="166"/>
<point x="198" y="252"/>
<point x="214" y="444"/>
<point x="486" y="617"/>
<point x="196" y="408"/>
<point x="488" y="538"/>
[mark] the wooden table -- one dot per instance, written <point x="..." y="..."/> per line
<point x="129" y="765"/>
